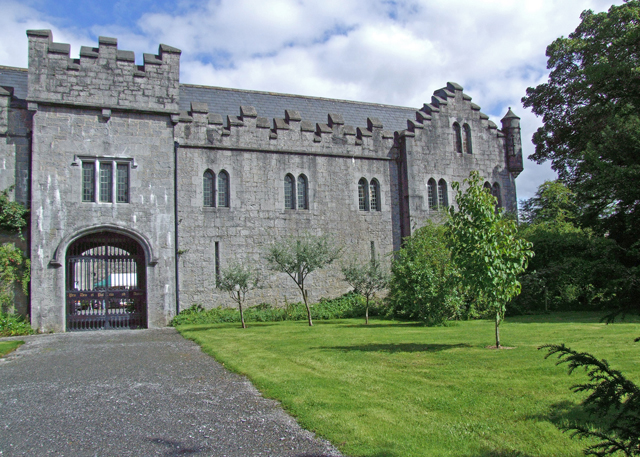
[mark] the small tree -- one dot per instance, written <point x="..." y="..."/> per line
<point x="238" y="280"/>
<point x="300" y="256"/>
<point x="486" y="248"/>
<point x="366" y="280"/>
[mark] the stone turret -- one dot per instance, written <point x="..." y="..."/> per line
<point x="513" y="142"/>
<point x="103" y="77"/>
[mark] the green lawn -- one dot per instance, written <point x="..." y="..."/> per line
<point x="8" y="346"/>
<point x="401" y="389"/>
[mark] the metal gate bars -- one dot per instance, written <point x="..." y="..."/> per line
<point x="106" y="283"/>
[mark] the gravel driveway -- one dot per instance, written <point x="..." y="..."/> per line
<point x="137" y="393"/>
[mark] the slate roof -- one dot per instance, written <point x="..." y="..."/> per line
<point x="268" y="104"/>
<point x="16" y="78"/>
<point x="272" y="105"/>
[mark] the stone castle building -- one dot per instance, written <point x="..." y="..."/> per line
<point x="141" y="188"/>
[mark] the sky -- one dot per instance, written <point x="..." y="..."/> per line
<point x="381" y="51"/>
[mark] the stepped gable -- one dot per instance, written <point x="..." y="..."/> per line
<point x="312" y="109"/>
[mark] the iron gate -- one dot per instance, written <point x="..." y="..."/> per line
<point x="106" y="283"/>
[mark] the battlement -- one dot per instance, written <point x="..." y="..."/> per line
<point x="104" y="77"/>
<point x="199" y="128"/>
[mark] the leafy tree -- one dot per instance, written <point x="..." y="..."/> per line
<point x="486" y="248"/>
<point x="15" y="268"/>
<point x="613" y="401"/>
<point x="424" y="280"/>
<point x="237" y="280"/>
<point x="300" y="256"/>
<point x="573" y="268"/>
<point x="590" y="109"/>
<point x="366" y="280"/>
<point x="553" y="202"/>
<point x="13" y="215"/>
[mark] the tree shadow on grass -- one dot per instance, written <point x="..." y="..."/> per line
<point x="396" y="347"/>
<point x="500" y="453"/>
<point x="577" y="317"/>
<point x="396" y="324"/>
<point x="566" y="412"/>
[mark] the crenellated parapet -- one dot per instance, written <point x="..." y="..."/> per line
<point x="291" y="133"/>
<point x="103" y="77"/>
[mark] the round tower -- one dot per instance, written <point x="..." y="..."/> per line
<point x="513" y="142"/>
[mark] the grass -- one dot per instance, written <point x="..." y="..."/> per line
<point x="9" y="346"/>
<point x="394" y="389"/>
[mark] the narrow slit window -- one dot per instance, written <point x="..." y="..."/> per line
<point x="374" y="200"/>
<point x="432" y="194"/>
<point x="495" y="191"/>
<point x="106" y="182"/>
<point x="122" y="183"/>
<point x="443" y="199"/>
<point x="88" y="181"/>
<point x="467" y="139"/>
<point x="223" y="189"/>
<point x="457" y="137"/>
<point x="363" y="195"/>
<point x="208" y="189"/>
<point x="303" y="192"/>
<point x="289" y="192"/>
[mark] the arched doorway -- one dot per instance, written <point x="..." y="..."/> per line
<point x="105" y="283"/>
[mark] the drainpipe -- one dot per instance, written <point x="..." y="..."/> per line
<point x="176" y="145"/>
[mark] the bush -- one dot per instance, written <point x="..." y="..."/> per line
<point x="14" y="325"/>
<point x="347" y="306"/>
<point x="424" y="279"/>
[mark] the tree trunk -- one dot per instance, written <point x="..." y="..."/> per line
<point x="497" y="331"/>
<point x="241" y="312"/>
<point x="366" y="313"/>
<point x="306" y="303"/>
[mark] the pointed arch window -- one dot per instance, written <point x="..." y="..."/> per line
<point x="289" y="192"/>
<point x="443" y="198"/>
<point x="457" y="137"/>
<point x="466" y="139"/>
<point x="495" y="191"/>
<point x="223" y="189"/>
<point x="432" y="194"/>
<point x="363" y="195"/>
<point x="487" y="186"/>
<point x="303" y="192"/>
<point x="374" y="191"/>
<point x="208" y="188"/>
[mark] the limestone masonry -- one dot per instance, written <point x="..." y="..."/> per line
<point x="141" y="189"/>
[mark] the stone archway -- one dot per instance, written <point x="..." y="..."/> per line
<point x="105" y="283"/>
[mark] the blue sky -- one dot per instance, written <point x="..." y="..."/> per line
<point x="383" y="51"/>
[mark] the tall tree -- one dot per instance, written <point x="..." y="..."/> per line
<point x="486" y="248"/>
<point x="300" y="256"/>
<point x="590" y="109"/>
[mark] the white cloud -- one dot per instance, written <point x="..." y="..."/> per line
<point x="387" y="52"/>
<point x="16" y="19"/>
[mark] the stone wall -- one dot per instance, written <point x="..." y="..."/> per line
<point x="105" y="76"/>
<point x="15" y="132"/>
<point x="102" y="107"/>
<point x="257" y="153"/>
<point x="428" y="148"/>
